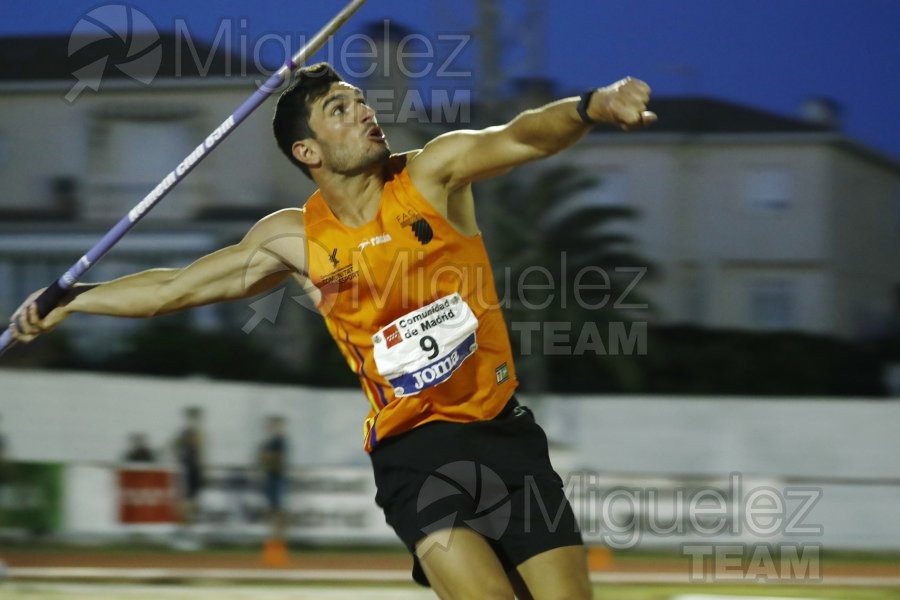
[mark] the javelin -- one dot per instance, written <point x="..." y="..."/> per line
<point x="54" y="294"/>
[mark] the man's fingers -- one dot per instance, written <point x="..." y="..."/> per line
<point x="22" y="337"/>
<point x="16" y="326"/>
<point x="26" y="324"/>
<point x="28" y="320"/>
<point x="631" y="98"/>
<point x="638" y="96"/>
<point x="628" y="112"/>
<point x="22" y="323"/>
<point x="639" y="120"/>
<point x="630" y="117"/>
<point x="642" y="88"/>
<point x="636" y="88"/>
<point x="626" y="103"/>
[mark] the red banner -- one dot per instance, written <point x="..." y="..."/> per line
<point x="147" y="496"/>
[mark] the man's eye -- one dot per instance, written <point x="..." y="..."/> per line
<point x="338" y="110"/>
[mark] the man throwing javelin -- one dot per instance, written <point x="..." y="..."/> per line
<point x="389" y="251"/>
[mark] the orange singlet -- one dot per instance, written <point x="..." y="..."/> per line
<point x="407" y="257"/>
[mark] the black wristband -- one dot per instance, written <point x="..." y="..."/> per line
<point x="50" y="298"/>
<point x="583" y="106"/>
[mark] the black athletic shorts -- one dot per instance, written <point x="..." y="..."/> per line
<point x="493" y="477"/>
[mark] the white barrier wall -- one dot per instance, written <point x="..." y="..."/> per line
<point x="91" y="500"/>
<point x="843" y="450"/>
<point x="87" y="417"/>
<point x="771" y="436"/>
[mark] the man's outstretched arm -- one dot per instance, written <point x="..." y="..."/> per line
<point x="458" y="158"/>
<point x="238" y="271"/>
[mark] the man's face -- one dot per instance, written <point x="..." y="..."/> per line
<point x="348" y="137"/>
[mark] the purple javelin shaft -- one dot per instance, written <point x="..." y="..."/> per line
<point x="54" y="294"/>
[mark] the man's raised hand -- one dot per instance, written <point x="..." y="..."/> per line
<point x="623" y="104"/>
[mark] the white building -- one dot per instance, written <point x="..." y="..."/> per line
<point x="757" y="221"/>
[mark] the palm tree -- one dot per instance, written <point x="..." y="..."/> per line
<point x="545" y="239"/>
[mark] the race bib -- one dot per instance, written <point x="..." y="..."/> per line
<point x="424" y="347"/>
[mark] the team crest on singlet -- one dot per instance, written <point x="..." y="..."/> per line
<point x="423" y="231"/>
<point x="408" y="217"/>
<point x="419" y="226"/>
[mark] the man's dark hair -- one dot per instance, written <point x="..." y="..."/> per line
<point x="291" y="121"/>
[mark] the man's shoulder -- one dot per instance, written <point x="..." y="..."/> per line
<point x="286" y="216"/>
<point x="406" y="156"/>
<point x="398" y="162"/>
<point x="284" y="221"/>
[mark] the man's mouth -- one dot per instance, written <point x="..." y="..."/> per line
<point x="376" y="134"/>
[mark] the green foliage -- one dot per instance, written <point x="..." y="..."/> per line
<point x="541" y="250"/>
<point x="54" y="351"/>
<point x="690" y="360"/>
<point x="174" y="349"/>
<point x="169" y="347"/>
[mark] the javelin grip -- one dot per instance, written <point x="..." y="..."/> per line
<point x="50" y="298"/>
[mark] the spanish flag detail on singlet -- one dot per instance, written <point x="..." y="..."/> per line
<point x="411" y="282"/>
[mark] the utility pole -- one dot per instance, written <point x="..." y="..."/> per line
<point x="534" y="36"/>
<point x="489" y="78"/>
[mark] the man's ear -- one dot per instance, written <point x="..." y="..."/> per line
<point x="307" y="152"/>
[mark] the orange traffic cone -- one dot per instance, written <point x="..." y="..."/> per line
<point x="600" y="558"/>
<point x="275" y="553"/>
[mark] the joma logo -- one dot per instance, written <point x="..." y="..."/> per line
<point x="436" y="371"/>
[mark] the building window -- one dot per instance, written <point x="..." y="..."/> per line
<point x="131" y="152"/>
<point x="143" y="152"/>
<point x="767" y="190"/>
<point x="772" y="304"/>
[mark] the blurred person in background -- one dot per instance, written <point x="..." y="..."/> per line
<point x="273" y="464"/>
<point x="5" y="466"/>
<point x="4" y="459"/>
<point x="138" y="450"/>
<point x="2" y="442"/>
<point x="188" y="447"/>
<point x="5" y="476"/>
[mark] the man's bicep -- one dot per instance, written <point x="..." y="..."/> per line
<point x="260" y="271"/>
<point x="241" y="270"/>
<point x="462" y="157"/>
<point x="268" y="254"/>
<point x="276" y="246"/>
<point x="226" y="274"/>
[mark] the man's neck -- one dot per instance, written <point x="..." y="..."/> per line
<point x="353" y="199"/>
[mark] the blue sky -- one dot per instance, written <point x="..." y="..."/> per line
<point x="772" y="54"/>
